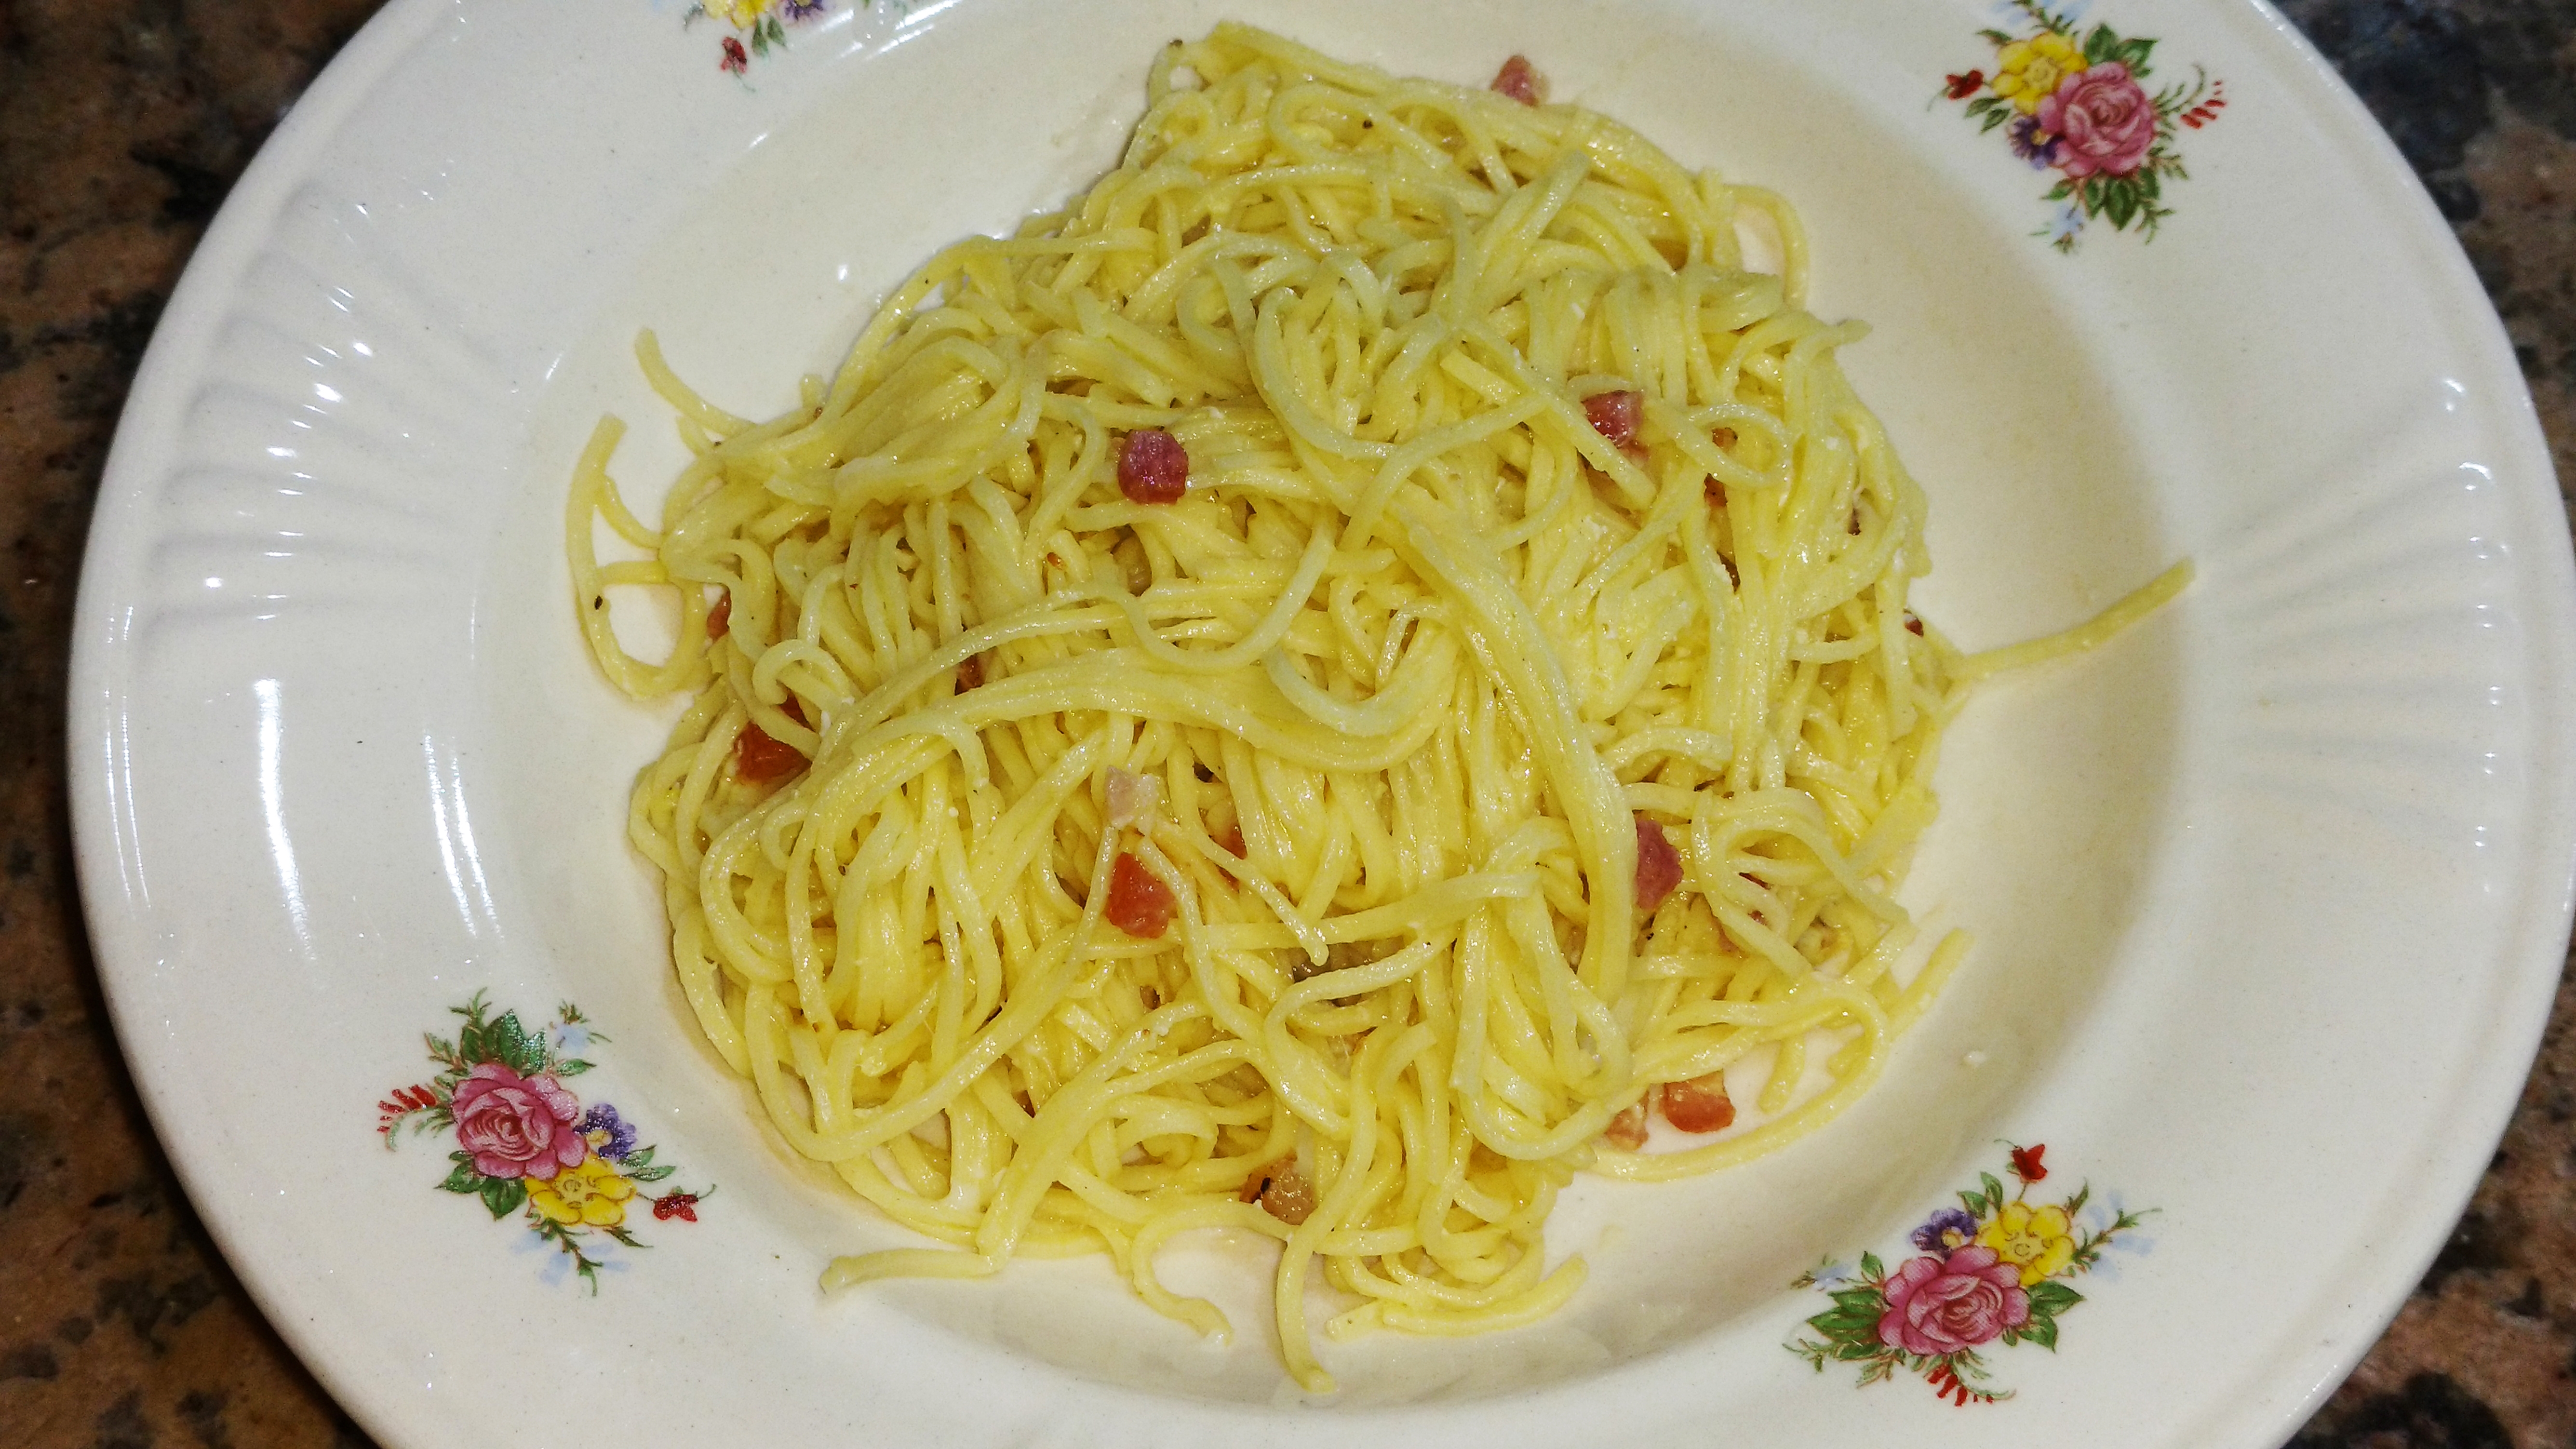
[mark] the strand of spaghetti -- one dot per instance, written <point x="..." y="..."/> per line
<point x="1528" y="668"/>
<point x="1807" y="1116"/>
<point x="2091" y="634"/>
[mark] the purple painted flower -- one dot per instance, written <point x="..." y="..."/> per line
<point x="1945" y="1230"/>
<point x="796" y="10"/>
<point x="609" y="1135"/>
<point x="2032" y="144"/>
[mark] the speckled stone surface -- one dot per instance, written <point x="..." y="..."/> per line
<point x="122" y="122"/>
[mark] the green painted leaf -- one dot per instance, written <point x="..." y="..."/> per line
<point x="1851" y="1352"/>
<point x="503" y="1195"/>
<point x="651" y="1174"/>
<point x="1994" y="119"/>
<point x="2041" y="1331"/>
<point x="1871" y="1268"/>
<point x="1994" y="1189"/>
<point x="1983" y="104"/>
<point x="2060" y="191"/>
<point x="2133" y="54"/>
<point x="640" y="1157"/>
<point x="513" y="1047"/>
<point x="2120" y="202"/>
<point x="1975" y="1203"/>
<point x="463" y="1179"/>
<point x="2103" y="44"/>
<point x="571" y="1067"/>
<point x="1997" y="36"/>
<point x="2053" y="1298"/>
<point x="1845" y="1329"/>
<point x="469" y="1045"/>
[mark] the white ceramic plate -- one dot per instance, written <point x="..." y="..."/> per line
<point x="2270" y="895"/>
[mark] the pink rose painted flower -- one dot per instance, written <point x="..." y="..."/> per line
<point x="2103" y="119"/>
<point x="517" y="1126"/>
<point x="1938" y="1306"/>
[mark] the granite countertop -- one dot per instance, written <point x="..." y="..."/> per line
<point x="122" y="123"/>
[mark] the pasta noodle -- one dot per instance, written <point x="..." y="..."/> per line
<point x="1511" y="720"/>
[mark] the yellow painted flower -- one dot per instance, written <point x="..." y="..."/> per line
<point x="2038" y="1241"/>
<point x="592" y="1194"/>
<point x="2031" y="69"/>
<point x="743" y="14"/>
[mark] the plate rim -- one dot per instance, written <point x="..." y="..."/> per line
<point x="2528" y="969"/>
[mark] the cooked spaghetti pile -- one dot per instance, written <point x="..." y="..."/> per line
<point x="1307" y="693"/>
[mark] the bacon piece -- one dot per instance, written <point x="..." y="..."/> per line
<point x="1912" y="625"/>
<point x="1615" y="415"/>
<point x="1282" y="1191"/>
<point x="1132" y="797"/>
<point x="1139" y="903"/>
<point x="1628" y="1129"/>
<point x="1153" y="467"/>
<point x="1699" y="1105"/>
<point x="1723" y="437"/>
<point x="970" y="673"/>
<point x="760" y="760"/>
<point x="1521" y="81"/>
<point x="720" y="618"/>
<point x="1659" y="866"/>
<point x="1232" y="840"/>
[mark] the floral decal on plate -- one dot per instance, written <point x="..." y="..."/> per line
<point x="2077" y="102"/>
<point x="758" y="26"/>
<point x="525" y="1143"/>
<point x="1992" y="1271"/>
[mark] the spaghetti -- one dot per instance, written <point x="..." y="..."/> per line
<point x="1304" y="693"/>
